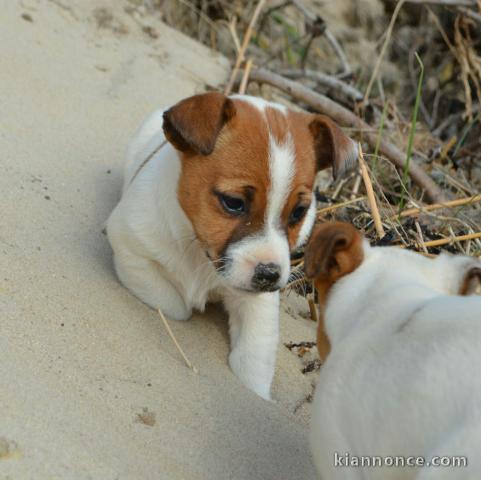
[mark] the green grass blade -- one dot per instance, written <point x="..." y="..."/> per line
<point x="405" y="176"/>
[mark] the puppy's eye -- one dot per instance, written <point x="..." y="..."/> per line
<point x="233" y="205"/>
<point x="297" y="214"/>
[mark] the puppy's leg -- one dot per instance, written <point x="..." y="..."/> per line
<point x="254" y="333"/>
<point x="143" y="277"/>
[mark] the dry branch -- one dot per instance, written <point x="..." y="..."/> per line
<point x="176" y="343"/>
<point x="445" y="3"/>
<point x="370" y="195"/>
<point x="446" y="241"/>
<point x="438" y="206"/>
<point x="312" y="308"/>
<point x="245" y="43"/>
<point x="245" y="77"/>
<point x="325" y="80"/>
<point x="346" y="118"/>
<point x="336" y="206"/>
<point x="421" y="238"/>
<point x="383" y="49"/>
<point x="470" y="13"/>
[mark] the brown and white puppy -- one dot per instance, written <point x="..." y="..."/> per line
<point x="217" y="192"/>
<point x="402" y="336"/>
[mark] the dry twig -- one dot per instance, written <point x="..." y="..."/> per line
<point x="470" y="13"/>
<point x="331" y="208"/>
<point x="446" y="3"/>
<point x="245" y="77"/>
<point x="176" y="343"/>
<point x="371" y="198"/>
<point x="245" y="43"/>
<point x="328" y="81"/>
<point x="438" y="206"/>
<point x="383" y="50"/>
<point x="232" y="29"/>
<point x="312" y="308"/>
<point x="421" y="238"/>
<point x="446" y="241"/>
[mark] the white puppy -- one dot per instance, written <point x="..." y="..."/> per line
<point x="217" y="192"/>
<point x="401" y="379"/>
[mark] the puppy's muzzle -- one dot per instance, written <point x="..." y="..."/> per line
<point x="266" y="277"/>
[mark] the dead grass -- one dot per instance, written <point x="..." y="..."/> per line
<point x="371" y="51"/>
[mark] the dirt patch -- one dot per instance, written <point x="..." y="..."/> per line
<point x="105" y="19"/>
<point x="9" y="449"/>
<point x="146" y="417"/>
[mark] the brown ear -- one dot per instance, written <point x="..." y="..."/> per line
<point x="195" y="123"/>
<point x="471" y="282"/>
<point x="333" y="148"/>
<point x="334" y="250"/>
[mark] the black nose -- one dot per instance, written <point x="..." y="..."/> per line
<point x="266" y="276"/>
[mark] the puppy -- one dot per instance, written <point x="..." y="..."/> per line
<point x="401" y="378"/>
<point x="217" y="192"/>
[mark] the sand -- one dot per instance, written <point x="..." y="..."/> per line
<point x="91" y="386"/>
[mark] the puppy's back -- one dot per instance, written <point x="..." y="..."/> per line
<point x="414" y="391"/>
<point x="147" y="138"/>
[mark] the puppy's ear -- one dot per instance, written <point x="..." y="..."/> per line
<point x="195" y="123"/>
<point x="334" y="250"/>
<point x="333" y="148"/>
<point x="471" y="281"/>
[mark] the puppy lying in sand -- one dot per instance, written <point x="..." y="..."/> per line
<point x="217" y="191"/>
<point x="402" y="375"/>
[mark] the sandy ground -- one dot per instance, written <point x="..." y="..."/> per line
<point x="91" y="387"/>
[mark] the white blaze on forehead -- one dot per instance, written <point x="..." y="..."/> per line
<point x="281" y="163"/>
<point x="281" y="171"/>
<point x="307" y="224"/>
<point x="269" y="245"/>
<point x="260" y="103"/>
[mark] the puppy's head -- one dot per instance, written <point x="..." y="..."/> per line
<point x="334" y="250"/>
<point x="248" y="170"/>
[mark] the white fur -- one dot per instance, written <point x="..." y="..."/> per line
<point x="269" y="245"/>
<point x="260" y="103"/>
<point x="307" y="224"/>
<point x="158" y="258"/>
<point x="402" y="378"/>
<point x="282" y="168"/>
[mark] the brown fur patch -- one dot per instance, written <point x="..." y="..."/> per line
<point x="278" y="124"/>
<point x="331" y="146"/>
<point x="195" y="123"/>
<point x="334" y="250"/>
<point x="471" y="281"/>
<point x="238" y="164"/>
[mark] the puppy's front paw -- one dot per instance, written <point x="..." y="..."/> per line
<point x="255" y="375"/>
